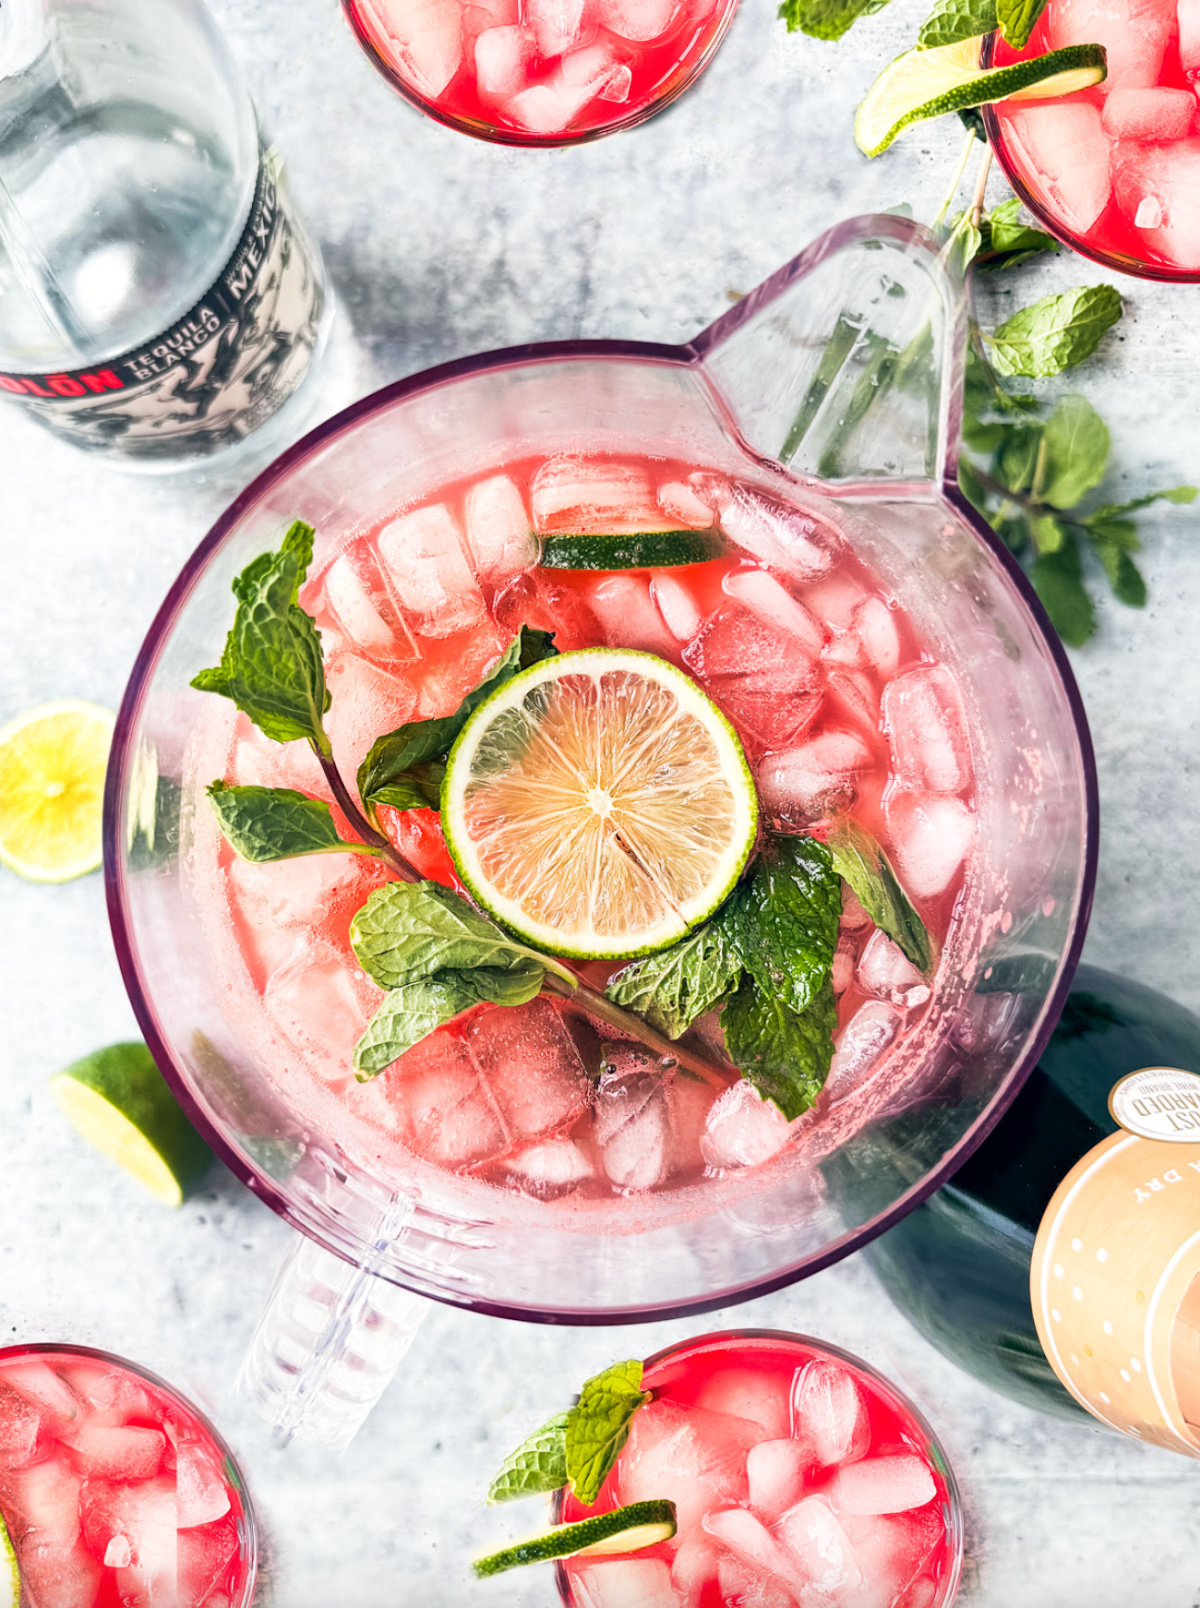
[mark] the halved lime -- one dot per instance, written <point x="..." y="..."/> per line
<point x="599" y="804"/>
<point x="649" y="549"/>
<point x="10" y="1575"/>
<point x="625" y="1529"/>
<point x="52" y="765"/>
<point x="948" y="78"/>
<point x="117" y="1099"/>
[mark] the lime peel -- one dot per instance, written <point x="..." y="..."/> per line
<point x="625" y="1529"/>
<point x="650" y="549"/>
<point x="948" y="78"/>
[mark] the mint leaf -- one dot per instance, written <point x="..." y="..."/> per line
<point x="413" y="1010"/>
<point x="272" y="667"/>
<point x="952" y="20"/>
<point x="598" y="1426"/>
<point x="1055" y="333"/>
<point x="409" y="930"/>
<point x="276" y="823"/>
<point x="1017" y="19"/>
<point x="1058" y="580"/>
<point x="538" y="1464"/>
<point x="1008" y="241"/>
<point x="826" y="19"/>
<point x="785" y="1054"/>
<point x="1127" y="581"/>
<point x="1075" y="445"/>
<point x="784" y="925"/>
<point x="672" y="988"/>
<point x="399" y="769"/>
<point x="1177" y="494"/>
<point x="863" y="864"/>
<point x="1050" y="535"/>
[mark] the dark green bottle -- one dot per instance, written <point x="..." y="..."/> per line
<point x="958" y="1266"/>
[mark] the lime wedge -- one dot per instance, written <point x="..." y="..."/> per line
<point x="599" y="804"/>
<point x="10" y="1575"/>
<point x="52" y="764"/>
<point x="948" y="78"/>
<point x="626" y="1529"/>
<point x="119" y="1102"/>
<point x="649" y="549"/>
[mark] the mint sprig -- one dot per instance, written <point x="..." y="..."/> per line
<point x="861" y="862"/>
<point x="1054" y="334"/>
<point x="784" y="925"/>
<point x="277" y="823"/>
<point x="951" y="21"/>
<point x="674" y="987"/>
<point x="539" y="1464"/>
<point x="826" y="19"/>
<point x="785" y="1054"/>
<point x="414" y="1009"/>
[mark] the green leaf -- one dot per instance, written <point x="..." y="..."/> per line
<point x="275" y="823"/>
<point x="1058" y="580"/>
<point x="826" y="19"/>
<point x="1008" y="241"/>
<point x="272" y="667"/>
<point x="969" y="483"/>
<point x="538" y="1464"/>
<point x="1055" y="333"/>
<point x="860" y="860"/>
<point x="952" y="20"/>
<point x="1015" y="459"/>
<point x="1122" y="533"/>
<point x="1017" y="19"/>
<point x="409" y="930"/>
<point x="1075" y="453"/>
<point x="972" y="118"/>
<point x="1050" y="535"/>
<point x="1127" y="581"/>
<point x="786" y="1055"/>
<point x="1013" y="530"/>
<point x="400" y="768"/>
<point x="1177" y="494"/>
<point x="964" y="243"/>
<point x="413" y="1010"/>
<point x="598" y="1426"/>
<point x="673" y="987"/>
<point x="784" y="926"/>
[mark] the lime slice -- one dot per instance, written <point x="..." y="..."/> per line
<point x="52" y="764"/>
<point x="119" y="1102"/>
<point x="948" y="78"/>
<point x="10" y="1575"/>
<point x="598" y="804"/>
<point x="649" y="549"/>
<point x="626" y="1529"/>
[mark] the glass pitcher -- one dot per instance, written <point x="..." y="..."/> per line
<point x="839" y="377"/>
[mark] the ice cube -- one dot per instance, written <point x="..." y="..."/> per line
<point x="775" y="1470"/>
<point x="829" y="1413"/>
<point x="427" y="35"/>
<point x="747" y="1587"/>
<point x="860" y="1048"/>
<point x="359" y="602"/>
<point x="53" y="1576"/>
<point x="628" y="617"/>
<point x="1065" y="150"/>
<point x="259" y="762"/>
<point x="1158" y="188"/>
<point x="893" y="1551"/>
<point x="743" y="1129"/>
<point x="1188" y="15"/>
<point x="205" y="1556"/>
<point x="744" y="1393"/>
<point x="680" y="612"/>
<point x="759" y="675"/>
<point x="852" y="698"/>
<point x="921" y="1594"/>
<point x="592" y="65"/>
<point x="1135" y="35"/>
<point x="626" y="1583"/>
<point x="926" y="728"/>
<point x="749" y="1539"/>
<point x="633" y="1130"/>
<point x="883" y="1485"/>
<point x="427" y="566"/>
<point x="842" y="970"/>
<point x="445" y="1112"/>
<point x="637" y="19"/>
<point x="201" y="1489"/>
<point x="618" y="84"/>
<point x="775" y="606"/>
<point x="314" y="1003"/>
<point x="480" y="15"/>
<point x="45" y="1388"/>
<point x="528" y="1062"/>
<point x="694" y="1566"/>
<point x="19" y="1422"/>
<point x="820" y="1548"/>
<point x="550" y="1169"/>
<point x="280" y="902"/>
<point x="603" y="495"/>
<point x="367" y="702"/>
<point x="834" y="599"/>
<point x="556" y="23"/>
<point x="885" y="971"/>
<point x="143" y="1515"/>
<point x="693" y="1458"/>
<point x="539" y="598"/>
<point x="129" y="1453"/>
<point x="42" y="1501"/>
<point x="800" y="543"/>
<point x="813" y="781"/>
<point x="931" y="836"/>
<point x="680" y="503"/>
<point x="497" y="523"/>
<point x="1149" y="114"/>
<point x="875" y="626"/>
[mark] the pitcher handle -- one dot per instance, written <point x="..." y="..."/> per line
<point x="846" y="366"/>
<point x="329" y="1343"/>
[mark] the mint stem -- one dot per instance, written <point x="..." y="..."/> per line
<point x="359" y="823"/>
<point x="592" y="1003"/>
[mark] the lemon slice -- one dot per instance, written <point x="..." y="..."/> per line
<point x="948" y="78"/>
<point x="599" y="805"/>
<point x="52" y="764"/>
<point x="10" y="1576"/>
<point x="118" y="1100"/>
<point x="625" y="1529"/>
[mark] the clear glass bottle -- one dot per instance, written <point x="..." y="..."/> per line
<point x="158" y="299"/>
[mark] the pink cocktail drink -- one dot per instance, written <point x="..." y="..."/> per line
<point x="1114" y="171"/>
<point x="534" y="72"/>
<point x="114" y="1491"/>
<point x="842" y="711"/>
<point x="801" y="1479"/>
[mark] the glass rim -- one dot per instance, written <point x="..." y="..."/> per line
<point x="492" y="134"/>
<point x="690" y="355"/>
<point x="1134" y="267"/>
<point x="250" y="1545"/>
<point x="956" y="1520"/>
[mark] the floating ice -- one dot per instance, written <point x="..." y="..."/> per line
<point x="743" y="1130"/>
<point x="426" y="563"/>
<point x="500" y="58"/>
<point x="932" y="836"/>
<point x="529" y="1064"/>
<point x="497" y="523"/>
<point x="885" y="971"/>
<point x="883" y="1485"/>
<point x="775" y="1470"/>
<point x="203" y="1562"/>
<point x="202" y="1493"/>
<point x="758" y="674"/>
<point x="626" y="1583"/>
<point x="1149" y="114"/>
<point x="748" y="1394"/>
<point x="628" y="617"/>
<point x="1065" y="150"/>
<point x="1135" y="35"/>
<point x="749" y="1539"/>
<point x="680" y="503"/>
<point x="814" y="780"/>
<point x="694" y="1566"/>
<point x="366" y="703"/>
<point x="445" y="1112"/>
<point x="693" y="1458"/>
<point x="799" y="543"/>
<point x="313" y="1002"/>
<point x="632" y="1128"/>
<point x="550" y="1169"/>
<point x="680" y="612"/>
<point x="555" y="23"/>
<point x="1161" y="185"/>
<point x="359" y="602"/>
<point x="861" y="1047"/>
<point x="775" y="606"/>
<point x="637" y="19"/>
<point x="129" y="1452"/>
<point x="605" y="495"/>
<point x="829" y="1412"/>
<point x="428" y="37"/>
<point x="820" y="1549"/>
<point x="923" y="713"/>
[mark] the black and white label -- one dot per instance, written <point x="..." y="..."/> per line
<point x="220" y="371"/>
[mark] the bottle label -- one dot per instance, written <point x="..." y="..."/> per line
<point x="1115" y="1277"/>
<point x="220" y="371"/>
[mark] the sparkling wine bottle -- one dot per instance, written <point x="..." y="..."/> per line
<point x="1061" y="1264"/>
<point x="158" y="298"/>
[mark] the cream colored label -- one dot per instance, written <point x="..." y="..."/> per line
<point x="1159" y="1102"/>
<point x="1115" y="1257"/>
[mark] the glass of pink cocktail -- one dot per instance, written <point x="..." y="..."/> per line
<point x="1114" y="171"/>
<point x="540" y="72"/>
<point x="799" y="1475"/>
<point x="114" y="1491"/>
